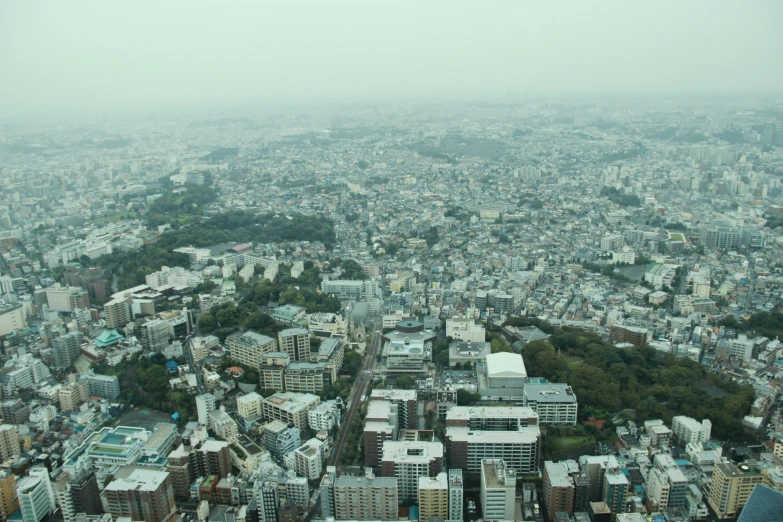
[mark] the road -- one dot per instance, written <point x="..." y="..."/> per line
<point x="359" y="389"/>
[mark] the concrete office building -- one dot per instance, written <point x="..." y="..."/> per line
<point x="464" y="329"/>
<point x="323" y="416"/>
<point x="249" y="347"/>
<point x="498" y="487"/>
<point x="36" y="495"/>
<point x="295" y="342"/>
<point x="491" y="418"/>
<point x="434" y="498"/>
<point x="409" y="460"/>
<point x="141" y="495"/>
<point x="554" y="403"/>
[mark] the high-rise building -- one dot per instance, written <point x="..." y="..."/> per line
<point x="281" y="438"/>
<point x="265" y="498"/>
<point x="559" y="489"/>
<point x="406" y="400"/>
<point x="85" y="495"/>
<point x="476" y="433"/>
<point x="498" y="485"/>
<point x="731" y="487"/>
<point x="380" y="424"/>
<point x="295" y="342"/>
<point x="155" y="335"/>
<point x="66" y="349"/>
<point x="249" y="347"/>
<point x="118" y="311"/>
<point x="434" y="498"/>
<point x="456" y="492"/>
<point x="9" y="501"/>
<point x="308" y="459"/>
<point x="326" y="489"/>
<point x="409" y="460"/>
<point x="9" y="442"/>
<point x="615" y="490"/>
<point x="205" y="404"/>
<point x="36" y="495"/>
<point x="142" y="495"/>
<point x="193" y="459"/>
<point x="366" y="498"/>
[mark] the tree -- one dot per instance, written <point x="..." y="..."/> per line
<point x="466" y="398"/>
<point x="499" y="345"/>
<point x="405" y="383"/>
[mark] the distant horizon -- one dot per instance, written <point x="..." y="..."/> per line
<point x="746" y="100"/>
<point x="87" y="56"/>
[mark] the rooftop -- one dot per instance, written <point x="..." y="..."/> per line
<point x="139" y="480"/>
<point x="505" y="365"/>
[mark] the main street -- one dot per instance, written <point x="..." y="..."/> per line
<point x="359" y="389"/>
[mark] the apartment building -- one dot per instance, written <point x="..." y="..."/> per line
<point x="142" y="495"/>
<point x="366" y="498"/>
<point x="249" y="406"/>
<point x="555" y="404"/>
<point x="456" y="494"/>
<point x="290" y="407"/>
<point x="106" y="386"/>
<point x="248" y="348"/>
<point x="686" y="430"/>
<point x="308" y="459"/>
<point x="731" y="487"/>
<point x="406" y="401"/>
<point x="36" y="495"/>
<point x="409" y="460"/>
<point x="295" y="342"/>
<point x="9" y="442"/>
<point x="498" y="486"/>
<point x="559" y="489"/>
<point x="434" y="497"/>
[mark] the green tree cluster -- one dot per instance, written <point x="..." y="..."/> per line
<point x="655" y="384"/>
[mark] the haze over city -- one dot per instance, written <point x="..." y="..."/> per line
<point x="321" y="261"/>
<point x="127" y="56"/>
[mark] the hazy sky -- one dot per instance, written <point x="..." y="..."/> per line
<point x="72" y="55"/>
